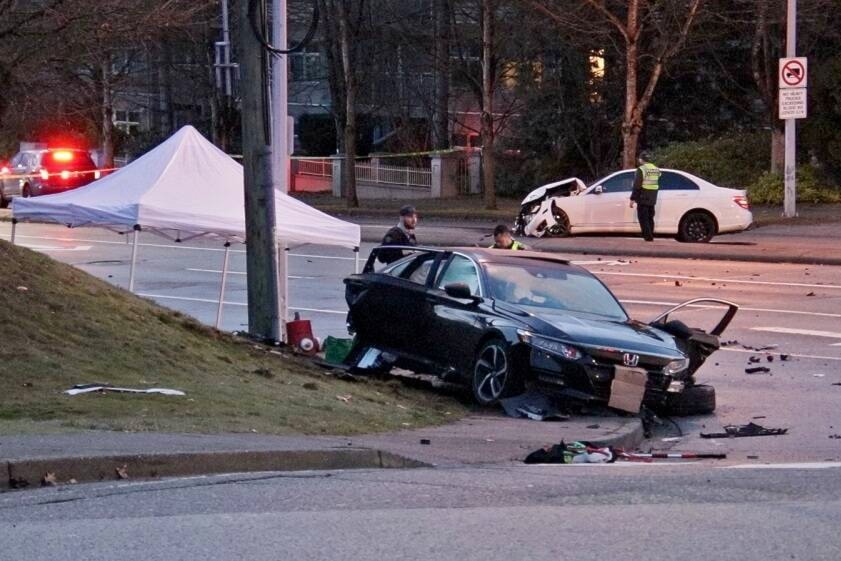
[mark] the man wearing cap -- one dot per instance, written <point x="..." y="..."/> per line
<point x="646" y="185"/>
<point x="402" y="234"/>
<point x="504" y="240"/>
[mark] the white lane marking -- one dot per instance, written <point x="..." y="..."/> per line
<point x="174" y="246"/>
<point x="744" y="309"/>
<point x="733" y="281"/>
<point x="793" y="331"/>
<point x="609" y="263"/>
<point x="53" y="248"/>
<point x="805" y="465"/>
<point x="747" y="351"/>
<point x="211" y="301"/>
<point x="218" y="272"/>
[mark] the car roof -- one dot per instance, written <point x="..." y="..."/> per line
<point x="511" y="257"/>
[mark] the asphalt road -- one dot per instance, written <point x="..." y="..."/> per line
<point x="617" y="511"/>
<point x="794" y="308"/>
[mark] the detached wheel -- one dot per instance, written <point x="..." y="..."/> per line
<point x="696" y="227"/>
<point x="561" y="226"/>
<point x="494" y="377"/>
<point x="694" y="400"/>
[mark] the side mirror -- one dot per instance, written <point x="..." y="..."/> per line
<point x="459" y="290"/>
<point x="598" y="190"/>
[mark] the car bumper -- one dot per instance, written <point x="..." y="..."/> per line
<point x="591" y="380"/>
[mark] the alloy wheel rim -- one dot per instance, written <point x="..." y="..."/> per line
<point x="697" y="229"/>
<point x="492" y="372"/>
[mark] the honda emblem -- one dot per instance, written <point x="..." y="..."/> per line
<point x="630" y="360"/>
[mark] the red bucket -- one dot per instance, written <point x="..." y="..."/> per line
<point x="299" y="334"/>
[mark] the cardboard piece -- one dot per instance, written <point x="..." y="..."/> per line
<point x="627" y="389"/>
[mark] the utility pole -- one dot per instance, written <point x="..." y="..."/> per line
<point x="264" y="317"/>
<point x="790" y="169"/>
<point x="281" y="144"/>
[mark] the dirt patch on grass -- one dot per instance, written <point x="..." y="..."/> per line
<point x="60" y="327"/>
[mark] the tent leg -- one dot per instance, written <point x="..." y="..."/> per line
<point x="222" y="286"/>
<point x="356" y="260"/>
<point x="133" y="258"/>
<point x="14" y="228"/>
<point x="282" y="289"/>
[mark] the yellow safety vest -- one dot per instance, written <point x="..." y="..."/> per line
<point x="514" y="246"/>
<point x="650" y="177"/>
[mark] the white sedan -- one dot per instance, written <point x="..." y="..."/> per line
<point x="688" y="207"/>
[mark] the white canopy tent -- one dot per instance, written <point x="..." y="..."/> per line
<point x="183" y="189"/>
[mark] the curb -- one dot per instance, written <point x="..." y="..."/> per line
<point x="30" y="472"/>
<point x="628" y="436"/>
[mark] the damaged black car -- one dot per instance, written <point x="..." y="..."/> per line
<point x="500" y="320"/>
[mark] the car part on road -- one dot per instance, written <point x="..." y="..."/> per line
<point x="757" y="370"/>
<point x="90" y="388"/>
<point x="636" y="456"/>
<point x="697" y="227"/>
<point x="532" y="405"/>
<point x="738" y="431"/>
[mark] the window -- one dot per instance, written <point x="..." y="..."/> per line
<point x="305" y="66"/>
<point x="16" y="161"/>
<point x="621" y="183"/>
<point x="671" y="181"/>
<point x="415" y="270"/>
<point x="461" y="270"/>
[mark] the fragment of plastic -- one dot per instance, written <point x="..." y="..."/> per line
<point x="750" y="429"/>
<point x="90" y="388"/>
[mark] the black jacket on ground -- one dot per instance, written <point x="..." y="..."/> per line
<point x="395" y="236"/>
<point x="645" y="197"/>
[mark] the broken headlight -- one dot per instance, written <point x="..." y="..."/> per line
<point x="549" y="345"/>
<point x="676" y="366"/>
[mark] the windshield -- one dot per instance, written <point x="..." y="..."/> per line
<point x="552" y="287"/>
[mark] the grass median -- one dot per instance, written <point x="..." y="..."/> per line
<point x="61" y="327"/>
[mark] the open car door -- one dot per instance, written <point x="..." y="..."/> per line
<point x="696" y="343"/>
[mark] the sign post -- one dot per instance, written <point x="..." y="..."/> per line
<point x="792" y="104"/>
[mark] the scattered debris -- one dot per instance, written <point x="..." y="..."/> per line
<point x="425" y="441"/>
<point x="122" y="471"/>
<point x="677" y="283"/>
<point x="585" y="453"/>
<point x="836" y="383"/>
<point x="673" y="456"/>
<point x="811" y="294"/>
<point x="49" y="480"/>
<point x="671" y="439"/>
<point x="835" y="436"/>
<point x="750" y="429"/>
<point x="770" y="358"/>
<point x="818" y="375"/>
<point x="759" y="417"/>
<point x="532" y="405"/>
<point x="753" y="457"/>
<point x="23" y="289"/>
<point x="593" y="426"/>
<point x="89" y="388"/>
<point x="345" y="398"/>
<point x="757" y="370"/>
<point x="754" y="359"/>
<point x="309" y="386"/>
<point x="783" y="357"/>
<point x="760" y="349"/>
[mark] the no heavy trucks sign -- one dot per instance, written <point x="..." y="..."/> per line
<point x="792" y="82"/>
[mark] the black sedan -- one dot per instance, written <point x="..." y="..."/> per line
<point x="499" y="319"/>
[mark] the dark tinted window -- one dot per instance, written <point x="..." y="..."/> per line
<point x="461" y="270"/>
<point x="671" y="181"/>
<point x="619" y="183"/>
<point x="553" y="288"/>
<point x="70" y="160"/>
<point x="414" y="269"/>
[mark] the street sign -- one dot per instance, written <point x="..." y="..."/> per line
<point x="793" y="103"/>
<point x="793" y="72"/>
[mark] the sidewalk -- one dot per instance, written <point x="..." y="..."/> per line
<point x="775" y="243"/>
<point x="483" y="439"/>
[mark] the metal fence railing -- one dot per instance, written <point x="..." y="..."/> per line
<point x="394" y="175"/>
<point x="319" y="168"/>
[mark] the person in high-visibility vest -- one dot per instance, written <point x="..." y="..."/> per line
<point x="644" y="195"/>
<point x="504" y="240"/>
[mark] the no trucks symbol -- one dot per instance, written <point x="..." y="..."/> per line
<point x="792" y="72"/>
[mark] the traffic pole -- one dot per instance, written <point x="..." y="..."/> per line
<point x="280" y="147"/>
<point x="790" y="170"/>
<point x="222" y="285"/>
<point x="135" y="239"/>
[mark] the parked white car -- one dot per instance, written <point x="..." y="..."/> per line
<point x="688" y="207"/>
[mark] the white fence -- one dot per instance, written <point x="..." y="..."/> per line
<point x="319" y="168"/>
<point x="394" y="175"/>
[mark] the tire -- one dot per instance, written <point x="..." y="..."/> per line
<point x="696" y="227"/>
<point x="561" y="227"/>
<point x="694" y="400"/>
<point x="494" y="376"/>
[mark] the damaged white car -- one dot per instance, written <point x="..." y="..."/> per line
<point x="688" y="207"/>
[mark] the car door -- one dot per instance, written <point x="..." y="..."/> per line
<point x="677" y="195"/>
<point x="608" y="203"/>
<point x="386" y="307"/>
<point x="457" y="325"/>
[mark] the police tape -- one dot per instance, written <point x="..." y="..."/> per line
<point x="65" y="174"/>
<point x="379" y="156"/>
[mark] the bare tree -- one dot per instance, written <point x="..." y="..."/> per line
<point x="649" y="34"/>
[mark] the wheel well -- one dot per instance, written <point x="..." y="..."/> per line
<point x="702" y="211"/>
<point x="519" y="352"/>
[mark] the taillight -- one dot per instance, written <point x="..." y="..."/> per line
<point x="4" y="169"/>
<point x="65" y="174"/>
<point x="45" y="175"/>
<point x="742" y="201"/>
<point x="97" y="174"/>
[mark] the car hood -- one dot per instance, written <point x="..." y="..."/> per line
<point x="606" y="334"/>
<point x="574" y="184"/>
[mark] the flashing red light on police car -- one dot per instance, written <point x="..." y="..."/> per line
<point x="4" y="169"/>
<point x="63" y="156"/>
